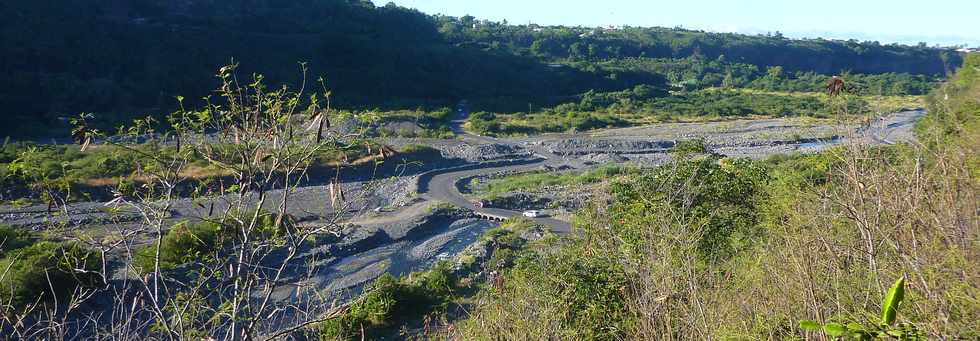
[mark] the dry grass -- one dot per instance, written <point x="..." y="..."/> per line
<point x="827" y="253"/>
<point x="840" y="246"/>
<point x="191" y="172"/>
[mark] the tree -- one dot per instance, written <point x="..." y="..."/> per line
<point x="538" y="48"/>
<point x="728" y="82"/>
<point x="774" y="73"/>
<point x="575" y="51"/>
<point x="245" y="245"/>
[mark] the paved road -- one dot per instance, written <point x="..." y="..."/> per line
<point x="443" y="187"/>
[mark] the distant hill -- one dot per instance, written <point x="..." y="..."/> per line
<point x="123" y="58"/>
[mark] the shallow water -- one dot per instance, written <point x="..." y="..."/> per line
<point x="349" y="274"/>
<point x="820" y="145"/>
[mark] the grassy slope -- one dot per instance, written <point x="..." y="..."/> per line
<point x="817" y="237"/>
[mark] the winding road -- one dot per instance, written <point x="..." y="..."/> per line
<point x="443" y="185"/>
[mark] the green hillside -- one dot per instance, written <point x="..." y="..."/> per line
<point x="122" y="59"/>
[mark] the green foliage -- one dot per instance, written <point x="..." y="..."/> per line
<point x="389" y="300"/>
<point x="701" y="73"/>
<point x="13" y="238"/>
<point x="889" y="309"/>
<point x="507" y="243"/>
<point x="800" y="170"/>
<point x="730" y="103"/>
<point x="596" y="110"/>
<point x="559" y="295"/>
<point x="373" y="309"/>
<point x="139" y="55"/>
<point x="718" y="197"/>
<point x="688" y="147"/>
<point x="31" y="171"/>
<point x="954" y="108"/>
<point x="47" y="271"/>
<point x="885" y="328"/>
<point x="537" y="180"/>
<point x="201" y="241"/>
<point x="184" y="243"/>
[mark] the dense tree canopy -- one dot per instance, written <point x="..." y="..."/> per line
<point x="122" y="59"/>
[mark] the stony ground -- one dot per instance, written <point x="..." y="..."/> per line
<point x="386" y="221"/>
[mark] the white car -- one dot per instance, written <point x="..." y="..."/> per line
<point x="532" y="214"/>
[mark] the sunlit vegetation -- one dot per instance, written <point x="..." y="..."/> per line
<point x="542" y="179"/>
<point x="388" y="302"/>
<point x="860" y="242"/>
<point x="698" y="72"/>
<point x="34" y="173"/>
<point x="644" y="105"/>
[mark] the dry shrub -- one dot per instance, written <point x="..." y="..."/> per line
<point x="828" y="254"/>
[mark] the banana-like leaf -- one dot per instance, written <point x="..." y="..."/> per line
<point x="889" y="309"/>
<point x="809" y="325"/>
<point x="835" y="329"/>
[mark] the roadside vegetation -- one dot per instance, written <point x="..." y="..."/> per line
<point x="542" y="179"/>
<point x="855" y="242"/>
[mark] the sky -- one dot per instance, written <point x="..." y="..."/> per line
<point x="942" y="22"/>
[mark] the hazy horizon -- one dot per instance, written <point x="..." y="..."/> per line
<point x="904" y="22"/>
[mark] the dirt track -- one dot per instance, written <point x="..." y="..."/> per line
<point x="649" y="145"/>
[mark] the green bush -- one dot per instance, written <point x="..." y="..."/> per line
<point x="372" y="310"/>
<point x="566" y="295"/>
<point x="25" y="168"/>
<point x="12" y="239"/>
<point x="536" y="180"/>
<point x="46" y="271"/>
<point x="185" y="242"/>
<point x="389" y="300"/>
<point x="718" y="196"/>
<point x="688" y="147"/>
<point x="202" y="241"/>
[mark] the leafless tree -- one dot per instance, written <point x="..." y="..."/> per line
<point x="239" y="159"/>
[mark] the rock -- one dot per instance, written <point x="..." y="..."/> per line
<point x="585" y="146"/>
<point x="520" y="201"/>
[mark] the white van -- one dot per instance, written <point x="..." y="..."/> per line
<point x="532" y="214"/>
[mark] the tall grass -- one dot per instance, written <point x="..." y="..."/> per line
<point x="715" y="249"/>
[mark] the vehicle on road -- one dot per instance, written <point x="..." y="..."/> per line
<point x="479" y="203"/>
<point x="532" y="213"/>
